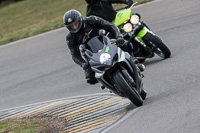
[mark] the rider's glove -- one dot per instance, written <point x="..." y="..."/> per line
<point x="85" y="65"/>
<point x="120" y="41"/>
<point x="129" y="2"/>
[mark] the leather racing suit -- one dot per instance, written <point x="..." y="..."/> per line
<point x="104" y="8"/>
<point x="90" y="28"/>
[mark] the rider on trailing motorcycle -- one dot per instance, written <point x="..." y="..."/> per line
<point x="81" y="30"/>
<point x="104" y="8"/>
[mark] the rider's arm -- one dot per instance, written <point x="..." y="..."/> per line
<point x="121" y="1"/>
<point x="92" y="2"/>
<point x="74" y="49"/>
<point x="103" y="24"/>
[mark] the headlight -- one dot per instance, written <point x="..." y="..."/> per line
<point x="128" y="27"/>
<point x="135" y="19"/>
<point x="105" y="58"/>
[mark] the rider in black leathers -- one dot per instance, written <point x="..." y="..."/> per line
<point x="104" y="8"/>
<point x="81" y="30"/>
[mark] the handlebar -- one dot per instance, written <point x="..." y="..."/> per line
<point x="126" y="7"/>
<point x="84" y="51"/>
<point x="133" y="4"/>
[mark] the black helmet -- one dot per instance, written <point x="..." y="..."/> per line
<point x="73" y="20"/>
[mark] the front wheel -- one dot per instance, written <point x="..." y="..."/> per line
<point x="123" y="84"/>
<point x="158" y="46"/>
<point x="143" y="94"/>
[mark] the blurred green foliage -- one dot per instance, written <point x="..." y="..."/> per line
<point x="30" y="17"/>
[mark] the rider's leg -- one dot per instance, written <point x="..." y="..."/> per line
<point x="90" y="76"/>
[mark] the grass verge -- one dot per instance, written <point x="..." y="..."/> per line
<point x="20" y="126"/>
<point x="35" y="124"/>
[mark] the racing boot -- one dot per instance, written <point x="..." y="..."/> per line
<point x="103" y="87"/>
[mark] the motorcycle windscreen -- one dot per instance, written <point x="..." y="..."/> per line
<point x="95" y="44"/>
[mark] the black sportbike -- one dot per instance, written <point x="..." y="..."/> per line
<point x="114" y="68"/>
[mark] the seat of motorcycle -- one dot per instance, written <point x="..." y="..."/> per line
<point x="95" y="44"/>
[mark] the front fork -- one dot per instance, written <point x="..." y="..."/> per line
<point x="141" y="34"/>
<point x="138" y="36"/>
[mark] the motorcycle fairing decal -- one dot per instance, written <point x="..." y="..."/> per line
<point x="87" y="36"/>
<point x="107" y="49"/>
<point x="119" y="14"/>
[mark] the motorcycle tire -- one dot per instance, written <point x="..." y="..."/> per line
<point x="162" y="50"/>
<point x="122" y="84"/>
<point x="143" y="94"/>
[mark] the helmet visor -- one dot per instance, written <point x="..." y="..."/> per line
<point x="75" y="27"/>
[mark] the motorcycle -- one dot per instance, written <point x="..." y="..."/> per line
<point x="145" y="43"/>
<point x="114" y="68"/>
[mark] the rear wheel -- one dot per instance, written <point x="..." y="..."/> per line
<point x="123" y="83"/>
<point x="158" y="46"/>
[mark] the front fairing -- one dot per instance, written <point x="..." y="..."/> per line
<point x="100" y="64"/>
<point x="122" y="17"/>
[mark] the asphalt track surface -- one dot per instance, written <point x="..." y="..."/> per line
<point x="40" y="68"/>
